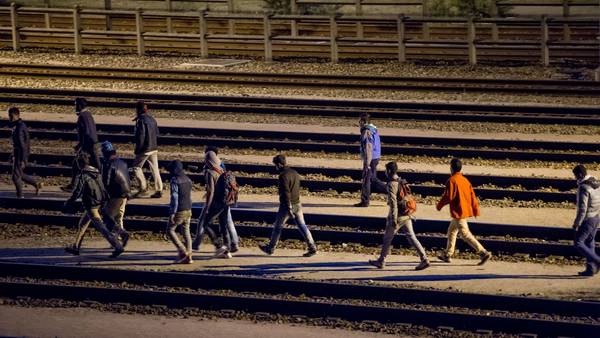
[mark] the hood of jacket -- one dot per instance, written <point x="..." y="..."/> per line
<point x="212" y="161"/>
<point x="591" y="181"/>
<point x="175" y="168"/>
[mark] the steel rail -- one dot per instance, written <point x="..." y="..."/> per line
<point x="313" y="107"/>
<point x="563" y="87"/>
<point x="309" y="308"/>
<point x="367" y="236"/>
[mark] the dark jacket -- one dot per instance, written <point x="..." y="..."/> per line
<point x="289" y="187"/>
<point x="115" y="177"/>
<point x="20" y="139"/>
<point x="146" y="134"/>
<point x="86" y="131"/>
<point x="89" y="188"/>
<point x="181" y="189"/>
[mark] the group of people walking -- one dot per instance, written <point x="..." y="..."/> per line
<point x="102" y="181"/>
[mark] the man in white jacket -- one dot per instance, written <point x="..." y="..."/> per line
<point x="587" y="219"/>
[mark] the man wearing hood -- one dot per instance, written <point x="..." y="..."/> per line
<point x="214" y="208"/>
<point x="397" y="220"/>
<point x="370" y="152"/>
<point x="20" y="155"/>
<point x="587" y="219"/>
<point x="87" y="140"/>
<point x="180" y="211"/>
<point x="146" y="150"/>
<point x="115" y="177"/>
<point x="90" y="189"/>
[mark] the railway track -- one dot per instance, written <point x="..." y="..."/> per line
<point x="576" y="152"/>
<point x="535" y="241"/>
<point x="329" y="301"/>
<point x="312" y="107"/>
<point x="562" y="87"/>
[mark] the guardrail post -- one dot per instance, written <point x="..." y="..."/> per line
<point x="493" y="15"/>
<point x="231" y="22"/>
<point x="139" y="30"/>
<point x="14" y="27"/>
<point x="267" y="37"/>
<point x="545" y="51"/>
<point x="425" y="25"/>
<point x="566" y="14"/>
<point x="203" y="33"/>
<point x="294" y="22"/>
<point x="108" y="6"/>
<point x="333" y="34"/>
<point x="77" y="29"/>
<point x="471" y="41"/>
<point x="169" y="8"/>
<point x="359" y="25"/>
<point x="47" y="19"/>
<point x="401" y="39"/>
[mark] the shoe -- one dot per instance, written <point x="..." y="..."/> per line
<point x="311" y="252"/>
<point x="379" y="264"/>
<point x="444" y="258"/>
<point x="234" y="249"/>
<point x="67" y="188"/>
<point x="266" y="249"/>
<point x="422" y="266"/>
<point x="157" y="194"/>
<point x="222" y="253"/>
<point x="586" y="273"/>
<point x="72" y="250"/>
<point x="124" y="239"/>
<point x="196" y="245"/>
<point x="20" y="196"/>
<point x="484" y="256"/>
<point x="38" y="188"/>
<point x="186" y="259"/>
<point x="362" y="205"/>
<point x="117" y="253"/>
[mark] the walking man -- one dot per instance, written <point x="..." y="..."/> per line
<point x="146" y="150"/>
<point x="215" y="207"/>
<point x="115" y="177"/>
<point x="370" y="152"/>
<point x="87" y="140"/>
<point x="399" y="217"/>
<point x="289" y="207"/>
<point x="587" y="219"/>
<point x="463" y="203"/>
<point x="20" y="155"/>
<point x="90" y="189"/>
<point x="180" y="211"/>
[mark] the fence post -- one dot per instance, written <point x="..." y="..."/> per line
<point x="77" y="29"/>
<point x="471" y="41"/>
<point x="544" y="42"/>
<point x="401" y="39"/>
<point x="425" y="25"/>
<point x="203" y="32"/>
<point x="139" y="29"/>
<point x="494" y="15"/>
<point x="566" y="14"/>
<point x="333" y="34"/>
<point x="14" y="26"/>
<point x="231" y="22"/>
<point x="267" y="37"/>
<point x="294" y="23"/>
<point x="47" y="19"/>
<point x="169" y="8"/>
<point x="108" y="6"/>
<point x="359" y="25"/>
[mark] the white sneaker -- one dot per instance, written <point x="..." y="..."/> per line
<point x="222" y="252"/>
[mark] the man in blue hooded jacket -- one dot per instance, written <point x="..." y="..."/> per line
<point x="370" y="152"/>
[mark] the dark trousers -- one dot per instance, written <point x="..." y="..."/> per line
<point x="94" y="153"/>
<point x="216" y="231"/>
<point x="370" y="182"/>
<point x="585" y="242"/>
<point x="19" y="176"/>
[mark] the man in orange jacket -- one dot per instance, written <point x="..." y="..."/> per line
<point x="463" y="203"/>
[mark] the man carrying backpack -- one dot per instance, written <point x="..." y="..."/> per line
<point x="289" y="207"/>
<point x="370" y="152"/>
<point x="90" y="189"/>
<point x="115" y="177"/>
<point x="463" y="203"/>
<point x="588" y="218"/>
<point x="146" y="150"/>
<point x="221" y="191"/>
<point x="180" y="211"/>
<point x="402" y="206"/>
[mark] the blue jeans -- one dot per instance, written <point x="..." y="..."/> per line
<point x="585" y="242"/>
<point x="283" y="216"/>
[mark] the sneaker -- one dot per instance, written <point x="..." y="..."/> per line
<point x="72" y="250"/>
<point x="234" y="249"/>
<point x="444" y="258"/>
<point x="422" y="266"/>
<point x="67" y="188"/>
<point x="117" y="253"/>
<point x="266" y="249"/>
<point x="186" y="259"/>
<point x="484" y="256"/>
<point x="38" y="188"/>
<point x="124" y="239"/>
<point x="141" y="194"/>
<point x="379" y="264"/>
<point x="311" y="252"/>
<point x="157" y="194"/>
<point x="222" y="253"/>
<point x="362" y="205"/>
